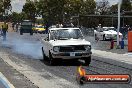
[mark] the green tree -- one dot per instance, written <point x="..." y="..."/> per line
<point x="103" y="7"/>
<point x="30" y="9"/>
<point x="51" y="10"/>
<point x="126" y="8"/>
<point x="114" y="9"/>
<point x="18" y="17"/>
<point x="1" y="7"/>
<point x="57" y="10"/>
<point x="89" y="7"/>
<point x="5" y="7"/>
<point x="23" y="16"/>
<point x="15" y="16"/>
<point x="126" y="5"/>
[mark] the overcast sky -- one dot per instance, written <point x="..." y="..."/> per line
<point x="18" y="4"/>
<point x="111" y="1"/>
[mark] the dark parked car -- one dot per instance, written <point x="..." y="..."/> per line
<point x="26" y="27"/>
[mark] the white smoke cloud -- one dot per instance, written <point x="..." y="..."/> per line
<point x="24" y="47"/>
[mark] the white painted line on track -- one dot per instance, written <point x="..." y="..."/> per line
<point x="5" y="82"/>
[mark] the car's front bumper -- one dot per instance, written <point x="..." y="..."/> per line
<point x="42" y="31"/>
<point x="71" y="55"/>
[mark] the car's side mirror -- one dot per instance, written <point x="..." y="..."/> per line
<point x="46" y="39"/>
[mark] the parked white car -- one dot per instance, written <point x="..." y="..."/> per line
<point x="66" y="43"/>
<point x="106" y="33"/>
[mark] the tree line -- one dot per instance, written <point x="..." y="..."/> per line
<point x="54" y="11"/>
<point x="5" y="9"/>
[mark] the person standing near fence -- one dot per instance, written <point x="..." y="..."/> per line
<point x="17" y="25"/>
<point x="4" y="30"/>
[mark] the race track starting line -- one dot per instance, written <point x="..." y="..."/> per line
<point x="4" y="83"/>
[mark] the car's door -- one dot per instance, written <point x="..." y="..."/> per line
<point x="96" y="32"/>
<point x="100" y="33"/>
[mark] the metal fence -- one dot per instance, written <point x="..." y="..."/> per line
<point x="87" y="31"/>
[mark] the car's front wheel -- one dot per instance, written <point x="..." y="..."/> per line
<point x="104" y="38"/>
<point x="51" y="59"/>
<point x="43" y="54"/>
<point x="87" y="60"/>
<point x="95" y="37"/>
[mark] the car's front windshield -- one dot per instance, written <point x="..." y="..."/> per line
<point x="65" y="34"/>
<point x="26" y="23"/>
<point x="40" y="26"/>
<point x="107" y="29"/>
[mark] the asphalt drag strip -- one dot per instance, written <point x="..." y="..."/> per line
<point x="61" y="76"/>
<point x="11" y="78"/>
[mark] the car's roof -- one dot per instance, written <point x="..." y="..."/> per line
<point x="61" y="28"/>
<point x="39" y="25"/>
<point x="108" y="27"/>
<point x="27" y="20"/>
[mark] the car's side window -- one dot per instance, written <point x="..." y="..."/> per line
<point x="100" y="30"/>
<point x="52" y="35"/>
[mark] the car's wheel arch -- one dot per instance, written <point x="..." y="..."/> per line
<point x="43" y="50"/>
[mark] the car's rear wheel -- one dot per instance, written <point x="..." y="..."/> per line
<point x="95" y="37"/>
<point x="36" y="32"/>
<point x="104" y="38"/>
<point x="87" y="60"/>
<point x="31" y="33"/>
<point x="21" y="33"/>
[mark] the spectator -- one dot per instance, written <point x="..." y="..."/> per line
<point x="13" y="24"/>
<point x="129" y="29"/>
<point x="4" y="30"/>
<point x="47" y="26"/>
<point x="17" y="27"/>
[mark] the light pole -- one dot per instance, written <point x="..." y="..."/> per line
<point x="119" y="14"/>
<point x="123" y="18"/>
<point x="112" y="20"/>
<point x="78" y="20"/>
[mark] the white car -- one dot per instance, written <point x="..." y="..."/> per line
<point x="66" y="43"/>
<point x="106" y="33"/>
